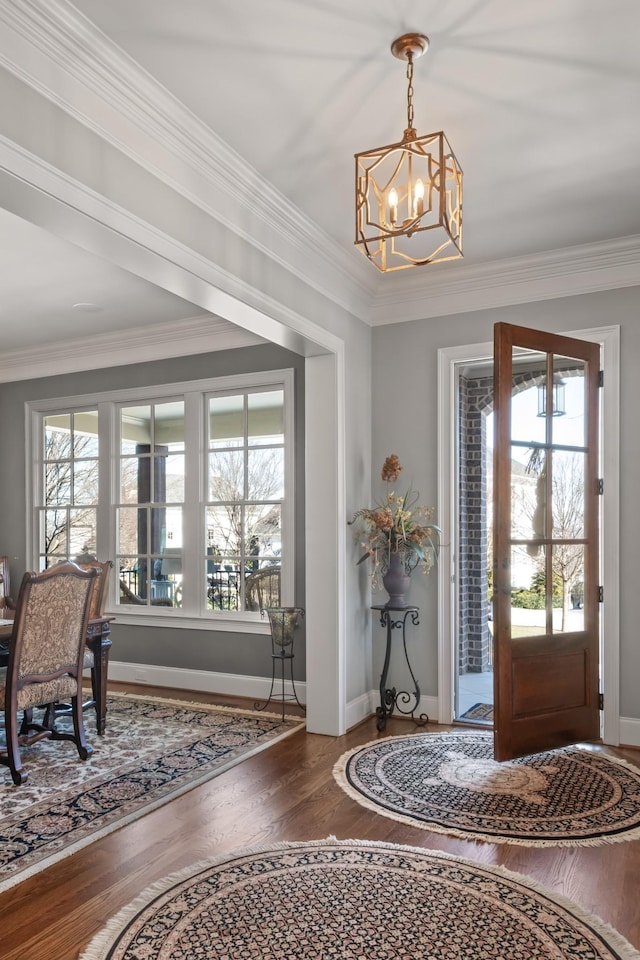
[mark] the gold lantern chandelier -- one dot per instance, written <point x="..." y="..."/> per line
<point x="409" y="194"/>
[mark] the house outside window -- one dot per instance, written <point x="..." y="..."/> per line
<point x="188" y="488"/>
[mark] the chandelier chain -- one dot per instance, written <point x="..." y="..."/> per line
<point x="409" y="91"/>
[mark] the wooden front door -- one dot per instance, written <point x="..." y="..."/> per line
<point x="545" y="541"/>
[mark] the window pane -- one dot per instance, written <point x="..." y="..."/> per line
<point x="82" y="532"/>
<point x="55" y="532"/>
<point x="135" y="427"/>
<point x="169" y="424"/>
<point x="265" y="415"/>
<point x="224" y="530"/>
<point x="85" y="434"/>
<point x="226" y="475"/>
<point x="223" y="586"/>
<point x="226" y="421"/>
<point x="85" y="481"/>
<point x="132" y="525"/>
<point x="263" y="530"/>
<point x="266" y="474"/>
<point x="174" y="465"/>
<point x="129" y="480"/>
<point x="57" y="437"/>
<point x="57" y="483"/>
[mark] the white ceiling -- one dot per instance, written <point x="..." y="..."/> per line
<point x="538" y="98"/>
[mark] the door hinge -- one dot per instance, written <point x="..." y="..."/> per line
<point x="600" y="594"/>
<point x="601" y="378"/>
<point x="601" y="701"/>
<point x="600" y="486"/>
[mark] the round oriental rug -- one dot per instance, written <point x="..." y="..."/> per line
<point x="350" y="900"/>
<point x="449" y="783"/>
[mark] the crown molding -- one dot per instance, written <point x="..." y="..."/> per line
<point x="181" y="338"/>
<point x="546" y="276"/>
<point x="50" y="46"/>
<point x="58" y="52"/>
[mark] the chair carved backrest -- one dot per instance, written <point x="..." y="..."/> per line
<point x="50" y="625"/>
<point x="98" y="600"/>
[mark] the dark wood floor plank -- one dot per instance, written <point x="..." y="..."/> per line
<point x="284" y="793"/>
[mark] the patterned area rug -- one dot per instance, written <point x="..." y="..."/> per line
<point x="152" y="751"/>
<point x="449" y="783"/>
<point x="351" y="900"/>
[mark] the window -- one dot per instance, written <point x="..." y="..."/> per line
<point x="189" y="489"/>
<point x="67" y="514"/>
<point x="245" y="493"/>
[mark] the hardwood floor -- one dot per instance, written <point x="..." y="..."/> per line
<point x="285" y="793"/>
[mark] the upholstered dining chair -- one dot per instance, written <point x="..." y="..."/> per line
<point x="45" y="660"/>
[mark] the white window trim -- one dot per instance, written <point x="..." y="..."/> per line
<point x="192" y="390"/>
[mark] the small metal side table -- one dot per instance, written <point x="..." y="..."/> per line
<point x="395" y="618"/>
<point x="283" y="622"/>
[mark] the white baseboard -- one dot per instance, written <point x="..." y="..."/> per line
<point x="254" y="688"/>
<point x="629" y="732"/>
<point x="204" y="681"/>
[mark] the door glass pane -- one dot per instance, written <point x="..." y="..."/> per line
<point x="568" y="579"/>
<point x="528" y="591"/>
<point x="568" y="494"/>
<point x="528" y="493"/>
<point x="569" y="402"/>
<point x="528" y="376"/>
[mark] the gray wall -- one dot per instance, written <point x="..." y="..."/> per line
<point x="211" y="650"/>
<point x="405" y="398"/>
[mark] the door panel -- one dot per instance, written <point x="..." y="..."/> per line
<point x="546" y="599"/>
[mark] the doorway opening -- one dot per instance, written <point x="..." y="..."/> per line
<point x="473" y="689"/>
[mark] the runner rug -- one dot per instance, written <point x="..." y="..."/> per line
<point x="152" y="751"/>
<point x="351" y="900"/>
<point x="449" y="783"/>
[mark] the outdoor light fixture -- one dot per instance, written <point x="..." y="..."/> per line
<point x="409" y="194"/>
<point x="557" y="398"/>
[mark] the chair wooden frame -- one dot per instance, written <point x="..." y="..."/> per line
<point x="98" y="642"/>
<point x="59" y="675"/>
